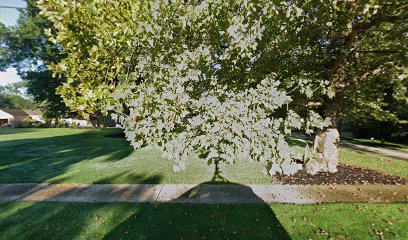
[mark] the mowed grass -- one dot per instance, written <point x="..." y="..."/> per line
<point x="27" y="220"/>
<point x="376" y="162"/>
<point x="91" y="156"/>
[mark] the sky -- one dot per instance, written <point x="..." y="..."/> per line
<point x="9" y="16"/>
<point x="9" y="76"/>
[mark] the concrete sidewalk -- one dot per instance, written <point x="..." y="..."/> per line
<point x="203" y="193"/>
<point x="377" y="150"/>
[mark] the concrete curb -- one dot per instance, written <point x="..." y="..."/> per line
<point x="203" y="193"/>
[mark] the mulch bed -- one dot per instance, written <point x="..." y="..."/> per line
<point x="346" y="175"/>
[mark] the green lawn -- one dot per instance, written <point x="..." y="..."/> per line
<point x="377" y="162"/>
<point x="88" y="156"/>
<point x="190" y="221"/>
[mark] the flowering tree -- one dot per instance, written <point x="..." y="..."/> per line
<point x="223" y="77"/>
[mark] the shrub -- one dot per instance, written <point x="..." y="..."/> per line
<point x="25" y="123"/>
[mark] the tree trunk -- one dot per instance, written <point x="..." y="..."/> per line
<point x="326" y="143"/>
<point x="326" y="146"/>
<point x="56" y="122"/>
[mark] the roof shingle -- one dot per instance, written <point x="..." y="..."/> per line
<point x="15" y="112"/>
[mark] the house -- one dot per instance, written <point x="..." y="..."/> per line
<point x="32" y="118"/>
<point x="12" y="117"/>
<point x="16" y="117"/>
<point x="36" y="115"/>
<point x="77" y="122"/>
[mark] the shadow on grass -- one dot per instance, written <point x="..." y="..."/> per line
<point x="252" y="220"/>
<point x="292" y="141"/>
<point x="41" y="159"/>
<point x="173" y="220"/>
<point x="4" y="131"/>
<point x="249" y="218"/>
<point x="138" y="178"/>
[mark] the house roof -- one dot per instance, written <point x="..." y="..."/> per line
<point x="15" y="112"/>
<point x="33" y="112"/>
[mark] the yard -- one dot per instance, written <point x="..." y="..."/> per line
<point x="176" y="221"/>
<point x="100" y="156"/>
<point x="231" y="77"/>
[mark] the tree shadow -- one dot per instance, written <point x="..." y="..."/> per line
<point x="234" y="214"/>
<point x="200" y="221"/>
<point x="42" y="159"/>
<point x="236" y="218"/>
<point x="217" y="176"/>
<point x="139" y="178"/>
<point x="292" y="141"/>
<point x="70" y="218"/>
<point x="7" y="131"/>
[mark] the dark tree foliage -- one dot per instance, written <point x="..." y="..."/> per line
<point x="26" y="48"/>
<point x="16" y="102"/>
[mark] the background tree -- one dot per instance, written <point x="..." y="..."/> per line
<point x="370" y="46"/>
<point x="12" y="96"/>
<point x="359" y="50"/>
<point x="377" y="109"/>
<point x="26" y="48"/>
<point x="16" y="102"/>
